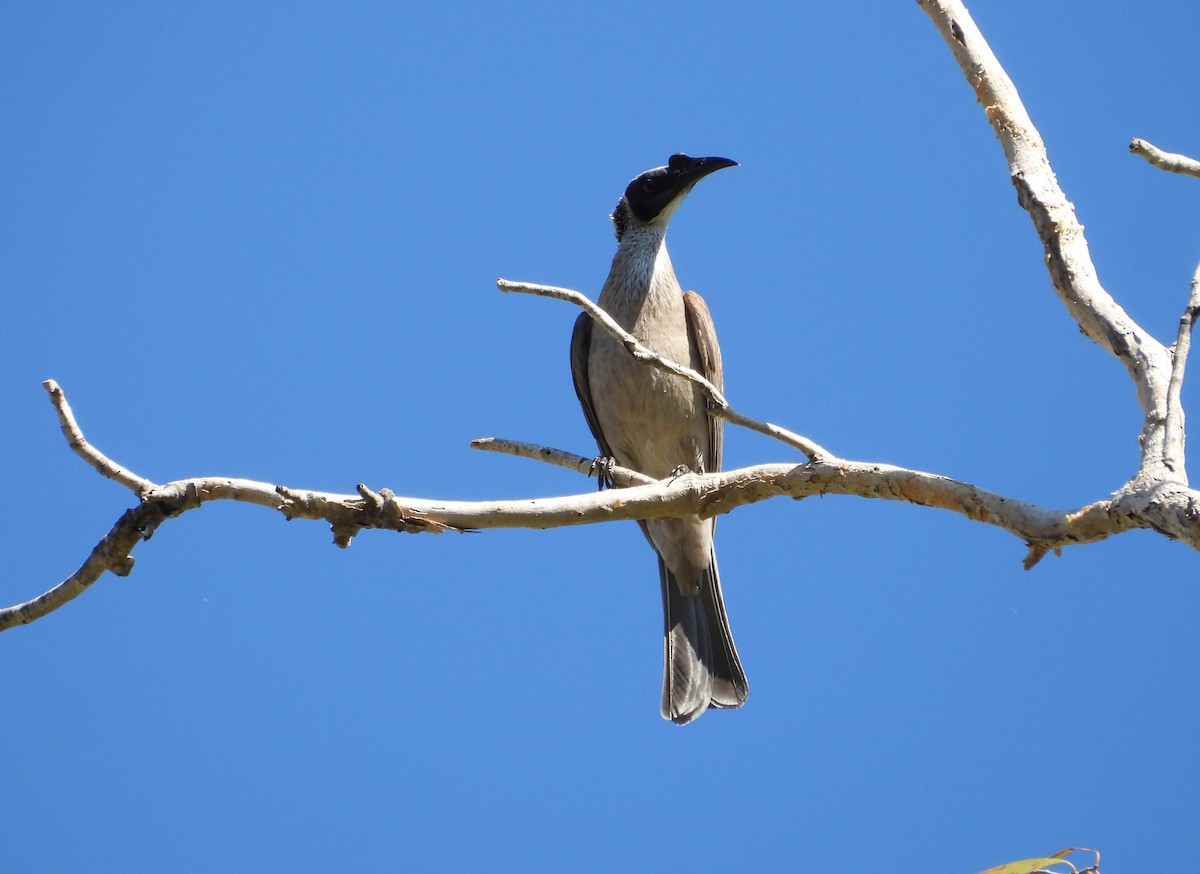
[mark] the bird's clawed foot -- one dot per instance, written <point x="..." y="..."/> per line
<point x="601" y="468"/>
<point x="680" y="471"/>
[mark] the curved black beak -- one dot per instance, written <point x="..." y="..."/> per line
<point x="692" y="170"/>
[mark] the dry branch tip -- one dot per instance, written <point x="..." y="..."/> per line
<point x="1169" y="161"/>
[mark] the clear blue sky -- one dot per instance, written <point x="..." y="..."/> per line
<point x="262" y="240"/>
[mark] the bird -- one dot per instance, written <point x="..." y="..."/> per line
<point x="657" y="423"/>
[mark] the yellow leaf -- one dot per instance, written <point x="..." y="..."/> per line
<point x="1026" y="866"/>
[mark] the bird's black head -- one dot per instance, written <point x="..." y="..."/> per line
<point x="658" y="191"/>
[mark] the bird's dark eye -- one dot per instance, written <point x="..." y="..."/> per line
<point x="649" y="187"/>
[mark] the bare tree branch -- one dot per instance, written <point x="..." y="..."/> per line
<point x="1067" y="257"/>
<point x="719" y="406"/>
<point x="1168" y="161"/>
<point x="621" y="476"/>
<point x="110" y="554"/>
<point x="1173" y="450"/>
<point x="75" y="439"/>
<point x="1169" y="508"/>
<point x="1176" y="436"/>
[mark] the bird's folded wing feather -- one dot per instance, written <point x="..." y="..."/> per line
<point x="704" y="340"/>
<point x="581" y="344"/>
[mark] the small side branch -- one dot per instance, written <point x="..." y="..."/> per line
<point x="719" y="405"/>
<point x="110" y="554"/>
<point x="1169" y="161"/>
<point x="1173" y="450"/>
<point x="621" y="476"/>
<point x="102" y="464"/>
<point x="1176" y="435"/>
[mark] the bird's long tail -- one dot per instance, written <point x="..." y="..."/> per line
<point x="702" y="666"/>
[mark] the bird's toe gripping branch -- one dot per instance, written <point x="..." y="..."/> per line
<point x="601" y="469"/>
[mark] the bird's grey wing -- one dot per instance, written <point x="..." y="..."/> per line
<point x="581" y="344"/>
<point x="729" y="686"/>
<point x="703" y="335"/>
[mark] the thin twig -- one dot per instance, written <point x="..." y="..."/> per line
<point x="622" y="476"/>
<point x="1169" y="161"/>
<point x="104" y="465"/>
<point x="630" y="342"/>
<point x="110" y="554"/>
<point x="719" y="405"/>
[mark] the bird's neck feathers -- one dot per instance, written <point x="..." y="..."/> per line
<point x="641" y="246"/>
<point x="642" y="261"/>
